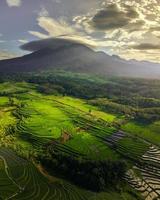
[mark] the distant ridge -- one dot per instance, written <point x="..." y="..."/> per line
<point x="72" y="56"/>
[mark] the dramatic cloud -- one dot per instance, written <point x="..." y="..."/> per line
<point x="61" y="29"/>
<point x="46" y="43"/>
<point x="146" y="46"/>
<point x="13" y="3"/>
<point x="52" y="27"/>
<point x="55" y="27"/>
<point x="115" y="26"/>
<point x="53" y="43"/>
<point x="125" y="25"/>
<point x="113" y="17"/>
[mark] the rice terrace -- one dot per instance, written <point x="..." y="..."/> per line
<point x="50" y="138"/>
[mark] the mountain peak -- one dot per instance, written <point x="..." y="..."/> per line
<point x="73" y="56"/>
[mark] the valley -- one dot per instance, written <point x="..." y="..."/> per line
<point x="44" y="128"/>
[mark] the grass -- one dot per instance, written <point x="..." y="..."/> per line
<point x="48" y="120"/>
<point x="132" y="147"/>
<point x="149" y="132"/>
<point x="3" y="101"/>
<point x="83" y="106"/>
<point x="87" y="144"/>
<point x="6" y="120"/>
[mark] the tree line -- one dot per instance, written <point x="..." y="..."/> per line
<point x="92" y="175"/>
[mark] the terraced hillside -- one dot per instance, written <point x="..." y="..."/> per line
<point x="148" y="181"/>
<point x="45" y="119"/>
<point x="31" y="122"/>
<point x="150" y="132"/>
<point x="19" y="180"/>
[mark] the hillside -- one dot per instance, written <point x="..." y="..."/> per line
<point x="65" y="131"/>
<point x="61" y="54"/>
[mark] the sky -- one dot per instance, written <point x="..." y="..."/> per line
<point x="127" y="28"/>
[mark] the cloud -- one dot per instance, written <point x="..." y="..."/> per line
<point x="113" y="17"/>
<point x="43" y="12"/>
<point x="38" y="34"/>
<point x="55" y="27"/>
<point x="22" y="41"/>
<point x="4" y="54"/>
<point x="116" y="27"/>
<point x="61" y="29"/>
<point x="53" y="43"/>
<point x="155" y="28"/>
<point x="146" y="46"/>
<point x="13" y="3"/>
<point x="149" y="55"/>
<point x="125" y="24"/>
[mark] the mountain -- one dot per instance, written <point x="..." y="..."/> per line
<point x="76" y="57"/>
